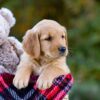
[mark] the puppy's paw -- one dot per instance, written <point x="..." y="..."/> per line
<point x="44" y="82"/>
<point x="20" y="81"/>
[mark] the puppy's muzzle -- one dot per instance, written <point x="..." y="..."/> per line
<point x="62" y="49"/>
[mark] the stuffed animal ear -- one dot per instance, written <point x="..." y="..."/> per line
<point x="8" y="15"/>
<point x="31" y="43"/>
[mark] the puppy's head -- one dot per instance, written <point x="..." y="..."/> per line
<point x="47" y="38"/>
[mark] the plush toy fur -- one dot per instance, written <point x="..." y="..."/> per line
<point x="10" y="47"/>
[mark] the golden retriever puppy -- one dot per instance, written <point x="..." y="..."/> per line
<point x="45" y="50"/>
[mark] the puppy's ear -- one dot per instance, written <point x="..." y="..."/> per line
<point x="65" y="31"/>
<point x="31" y="43"/>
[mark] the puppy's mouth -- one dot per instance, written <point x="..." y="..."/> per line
<point x="56" y="55"/>
<point x="62" y="54"/>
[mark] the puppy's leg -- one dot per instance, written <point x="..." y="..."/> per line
<point x="48" y="75"/>
<point x="22" y="75"/>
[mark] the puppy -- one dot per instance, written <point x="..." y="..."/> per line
<point x="45" y="50"/>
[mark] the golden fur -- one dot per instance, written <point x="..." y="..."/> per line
<point x="41" y="56"/>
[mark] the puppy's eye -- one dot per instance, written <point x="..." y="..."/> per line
<point x="48" y="38"/>
<point x="62" y="36"/>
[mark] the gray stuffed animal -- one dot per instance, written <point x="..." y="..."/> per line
<point x="10" y="47"/>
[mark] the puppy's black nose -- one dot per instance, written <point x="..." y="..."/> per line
<point x="62" y="49"/>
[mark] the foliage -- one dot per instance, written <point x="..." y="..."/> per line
<point x="82" y="19"/>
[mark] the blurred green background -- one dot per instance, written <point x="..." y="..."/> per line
<point x="82" y="20"/>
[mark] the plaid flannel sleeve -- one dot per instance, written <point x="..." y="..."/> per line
<point x="60" y="87"/>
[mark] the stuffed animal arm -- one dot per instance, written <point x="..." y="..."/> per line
<point x="1" y="41"/>
<point x="16" y="44"/>
<point x="3" y="69"/>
